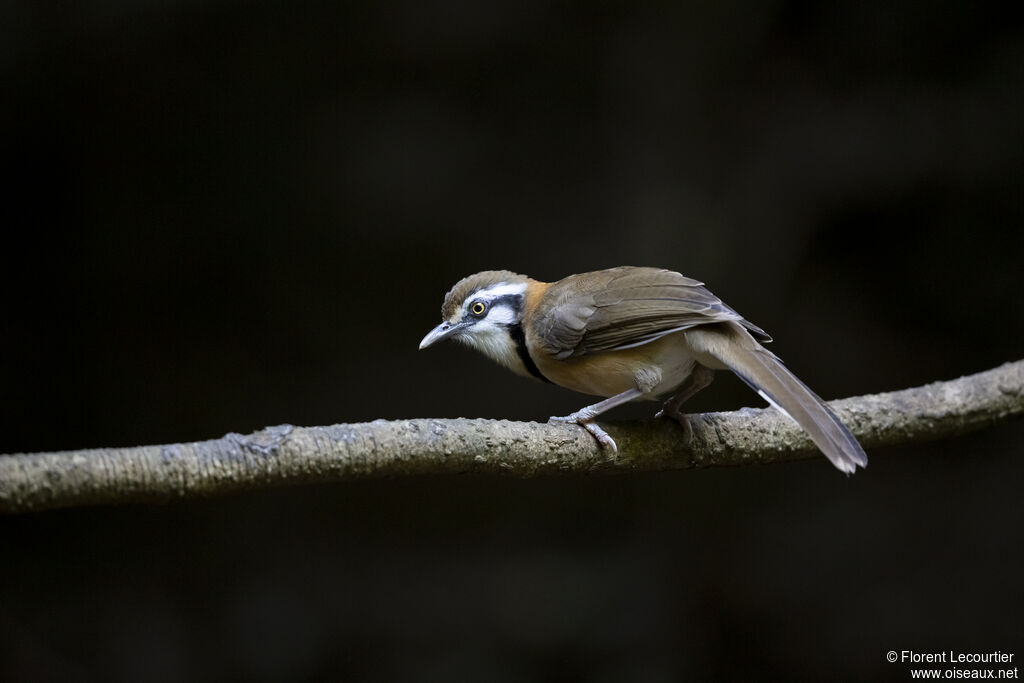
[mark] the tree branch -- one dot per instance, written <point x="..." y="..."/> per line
<point x="287" y="455"/>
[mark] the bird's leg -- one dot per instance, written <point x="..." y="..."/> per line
<point x="699" y="378"/>
<point x="584" y="416"/>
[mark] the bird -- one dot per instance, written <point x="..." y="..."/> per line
<point x="630" y="333"/>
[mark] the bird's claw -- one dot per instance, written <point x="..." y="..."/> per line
<point x="679" y="416"/>
<point x="584" y="420"/>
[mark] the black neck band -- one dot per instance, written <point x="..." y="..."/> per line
<point x="524" y="353"/>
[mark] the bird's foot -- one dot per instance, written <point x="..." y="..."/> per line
<point x="584" y="419"/>
<point x="673" y="413"/>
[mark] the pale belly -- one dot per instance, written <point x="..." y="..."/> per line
<point x="656" y="368"/>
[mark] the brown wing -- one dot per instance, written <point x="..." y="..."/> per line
<point x="624" y="307"/>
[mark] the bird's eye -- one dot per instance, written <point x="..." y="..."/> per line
<point x="477" y="308"/>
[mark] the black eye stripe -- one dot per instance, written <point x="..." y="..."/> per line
<point x="513" y="301"/>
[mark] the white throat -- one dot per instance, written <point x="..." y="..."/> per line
<point x="497" y="344"/>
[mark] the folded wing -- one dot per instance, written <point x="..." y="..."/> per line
<point x="621" y="308"/>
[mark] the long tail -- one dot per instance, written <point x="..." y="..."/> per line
<point x="765" y="374"/>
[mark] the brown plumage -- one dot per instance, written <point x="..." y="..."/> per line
<point x="623" y="307"/>
<point x="630" y="333"/>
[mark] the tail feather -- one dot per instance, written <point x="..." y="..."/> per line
<point x="765" y="374"/>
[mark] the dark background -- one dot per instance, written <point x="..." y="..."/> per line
<point x="222" y="216"/>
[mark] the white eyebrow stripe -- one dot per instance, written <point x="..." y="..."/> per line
<point x="495" y="292"/>
<point x="500" y="289"/>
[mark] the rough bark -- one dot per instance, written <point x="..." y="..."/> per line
<point x="289" y="455"/>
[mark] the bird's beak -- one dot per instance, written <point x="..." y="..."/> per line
<point x="442" y="331"/>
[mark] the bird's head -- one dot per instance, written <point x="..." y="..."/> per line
<point x="485" y="311"/>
